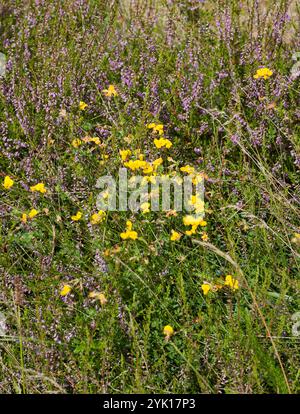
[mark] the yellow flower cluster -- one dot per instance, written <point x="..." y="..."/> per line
<point x="197" y="203"/>
<point x="110" y="91"/>
<point x="97" y="218"/>
<point x="159" y="128"/>
<point x="145" y="207"/>
<point x="175" y="236"/>
<point x="263" y="73"/>
<point x="197" y="177"/>
<point x="95" y="140"/>
<point x="9" y="182"/>
<point x="195" y="222"/>
<point x="188" y="169"/>
<point x="125" y="154"/>
<point x="229" y="281"/>
<point x="30" y="215"/>
<point x="77" y="141"/>
<point x="129" y="233"/>
<point x="204" y="236"/>
<point x="145" y="166"/>
<point x="77" y="216"/>
<point x="156" y="163"/>
<point x="134" y="165"/>
<point x="40" y="187"/>
<point x="66" y="289"/>
<point x="162" y="142"/>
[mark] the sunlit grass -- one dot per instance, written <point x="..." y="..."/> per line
<point x="146" y="301"/>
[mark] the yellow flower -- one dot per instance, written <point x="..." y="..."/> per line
<point x="162" y="142"/>
<point x="135" y="164"/>
<point x="206" y="288"/>
<point x="192" y="231"/>
<point x="110" y="91"/>
<point x="188" y="220"/>
<point x="156" y="128"/>
<point x="199" y="207"/>
<point x="263" y="73"/>
<point x="156" y="163"/>
<point x="82" y="105"/>
<point x="148" y="169"/>
<point x="151" y="125"/>
<point x="197" y="203"/>
<point x="100" y="296"/>
<point x="32" y="213"/>
<point x="125" y="154"/>
<point x="8" y="182"/>
<point x="168" y="331"/>
<point x="204" y="236"/>
<point x="76" y="142"/>
<point x="193" y="200"/>
<point x="40" y="187"/>
<point x="24" y="218"/>
<point x="77" y="216"/>
<point x="188" y="169"/>
<point x="129" y="233"/>
<point x="159" y="128"/>
<point x="193" y="220"/>
<point x="95" y="140"/>
<point x="97" y="218"/>
<point x="175" y="236"/>
<point x="65" y="290"/>
<point x="231" y="282"/>
<point x="199" y="177"/>
<point x="145" y="207"/>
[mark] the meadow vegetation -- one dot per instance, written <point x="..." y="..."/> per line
<point x="149" y="302"/>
